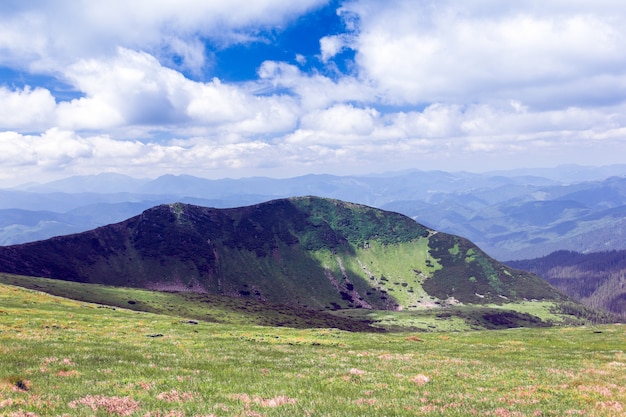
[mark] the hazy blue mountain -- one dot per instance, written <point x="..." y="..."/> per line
<point x="531" y="221"/>
<point x="21" y="226"/>
<point x="102" y="183"/>
<point x="569" y="174"/>
<point x="511" y="215"/>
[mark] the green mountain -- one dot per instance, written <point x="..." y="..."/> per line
<point x="305" y="252"/>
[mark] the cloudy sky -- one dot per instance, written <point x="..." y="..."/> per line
<point x="282" y="88"/>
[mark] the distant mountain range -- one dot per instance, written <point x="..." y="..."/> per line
<point x="511" y="215"/>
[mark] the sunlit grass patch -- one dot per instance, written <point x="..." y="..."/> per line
<point x="79" y="360"/>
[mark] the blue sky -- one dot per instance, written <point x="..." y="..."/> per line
<point x="277" y="88"/>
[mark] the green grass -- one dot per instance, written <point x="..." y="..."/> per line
<point x="62" y="357"/>
<point x="487" y="317"/>
<point x="464" y="318"/>
<point x="238" y="311"/>
<point x="205" y="307"/>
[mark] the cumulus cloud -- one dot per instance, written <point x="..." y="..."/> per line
<point x="341" y="119"/>
<point x="129" y="88"/>
<point x="346" y="138"/>
<point x="25" y="108"/>
<point x="444" y="51"/>
<point x="435" y="84"/>
<point x="314" y="91"/>
<point x="134" y="89"/>
<point x="49" y="35"/>
<point x="332" y="45"/>
<point x="53" y="149"/>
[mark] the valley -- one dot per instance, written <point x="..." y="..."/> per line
<point x="596" y="279"/>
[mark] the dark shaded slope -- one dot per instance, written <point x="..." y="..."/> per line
<point x="307" y="252"/>
<point x="471" y="276"/>
<point x="259" y="251"/>
<point x="598" y="279"/>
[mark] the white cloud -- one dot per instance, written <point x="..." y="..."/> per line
<point x="314" y="91"/>
<point x="50" y="35"/>
<point x="25" y="108"/>
<point x="52" y="149"/>
<point x="332" y="45"/>
<point x="131" y="88"/>
<point x="444" y="51"/>
<point x="134" y="89"/>
<point x="341" y="120"/>
<point x="439" y="84"/>
<point x="459" y="136"/>
<point x="346" y="138"/>
<point x="300" y="59"/>
<point x="36" y="156"/>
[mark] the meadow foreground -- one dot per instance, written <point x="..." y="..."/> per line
<point x="66" y="358"/>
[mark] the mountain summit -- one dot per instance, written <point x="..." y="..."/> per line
<point x="309" y="252"/>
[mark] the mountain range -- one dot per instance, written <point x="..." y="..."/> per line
<point x="510" y="215"/>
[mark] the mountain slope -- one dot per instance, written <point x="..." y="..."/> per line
<point x="598" y="280"/>
<point x="307" y="252"/>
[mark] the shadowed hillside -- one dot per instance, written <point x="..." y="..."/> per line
<point x="307" y="252"/>
<point x="598" y="280"/>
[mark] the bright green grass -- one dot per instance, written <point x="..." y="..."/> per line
<point x="542" y="309"/>
<point x="423" y="321"/>
<point x="402" y="275"/>
<point x="61" y="358"/>
<point x="406" y="266"/>
<point x="205" y="307"/>
<point x="460" y="318"/>
<point x="237" y="311"/>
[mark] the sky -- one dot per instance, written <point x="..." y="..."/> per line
<point x="283" y="88"/>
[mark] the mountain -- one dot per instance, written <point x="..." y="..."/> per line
<point x="102" y="183"/>
<point x="96" y="194"/>
<point x="19" y="226"/>
<point x="306" y="252"/>
<point x="598" y="280"/>
<point x="570" y="173"/>
<point x="528" y="221"/>
<point x="510" y="215"/>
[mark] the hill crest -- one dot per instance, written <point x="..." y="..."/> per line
<point x="309" y="252"/>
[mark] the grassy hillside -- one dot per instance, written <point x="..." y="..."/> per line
<point x="238" y="311"/>
<point x="62" y="357"/>
<point x="307" y="252"/>
<point x="194" y="306"/>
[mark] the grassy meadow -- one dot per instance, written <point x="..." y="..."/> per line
<point x="60" y="357"/>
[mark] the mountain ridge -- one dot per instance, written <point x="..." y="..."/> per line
<point x="485" y="208"/>
<point x="304" y="251"/>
